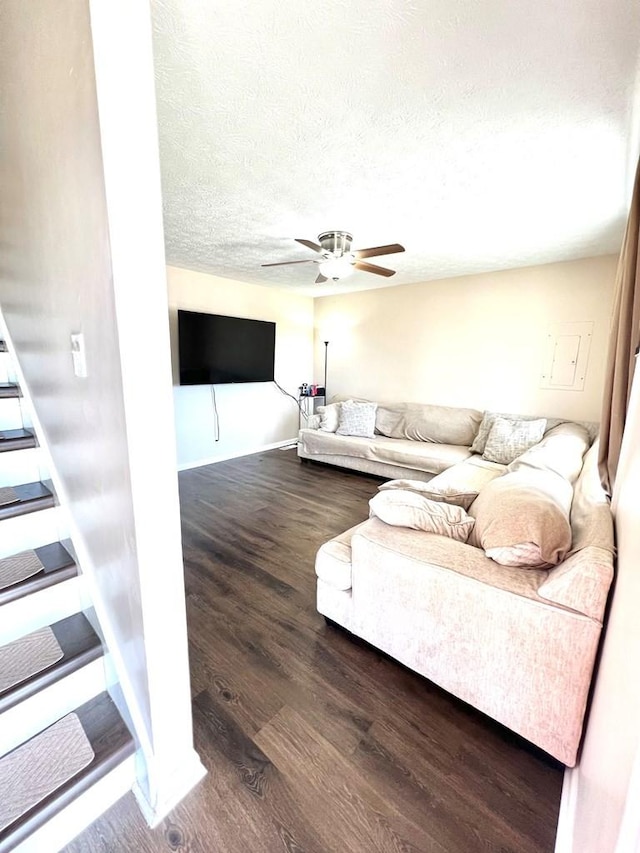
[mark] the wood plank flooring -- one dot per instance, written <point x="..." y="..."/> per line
<point x="314" y="741"/>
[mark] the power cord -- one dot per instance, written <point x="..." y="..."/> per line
<point x="296" y="401"/>
<point x="216" y="418"/>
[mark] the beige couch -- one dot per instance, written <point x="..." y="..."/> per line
<point x="410" y="440"/>
<point x="517" y="643"/>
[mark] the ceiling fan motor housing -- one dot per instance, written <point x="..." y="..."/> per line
<point x="336" y="242"/>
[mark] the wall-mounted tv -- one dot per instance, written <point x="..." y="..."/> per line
<point x="215" y="350"/>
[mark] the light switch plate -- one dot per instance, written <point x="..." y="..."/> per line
<point x="78" y="354"/>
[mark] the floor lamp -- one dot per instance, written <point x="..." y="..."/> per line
<point x="326" y="351"/>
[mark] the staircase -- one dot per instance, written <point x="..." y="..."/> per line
<point x="65" y="753"/>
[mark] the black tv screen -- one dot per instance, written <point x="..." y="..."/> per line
<point x="215" y="350"/>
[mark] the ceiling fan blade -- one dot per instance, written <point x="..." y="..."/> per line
<point x="286" y="263"/>
<point x="378" y="250"/>
<point x="313" y="246"/>
<point x="321" y="278"/>
<point x="360" y="265"/>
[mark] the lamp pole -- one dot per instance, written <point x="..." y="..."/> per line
<point x="326" y="351"/>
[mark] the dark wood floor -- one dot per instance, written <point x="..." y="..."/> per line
<point x="315" y="742"/>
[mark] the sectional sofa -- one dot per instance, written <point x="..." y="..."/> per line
<point x="490" y="579"/>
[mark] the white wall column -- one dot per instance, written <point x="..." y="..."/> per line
<point x="129" y="136"/>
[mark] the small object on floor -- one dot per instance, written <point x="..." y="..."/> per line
<point x="8" y="495"/>
<point x="19" y="567"/>
<point x="40" y="766"/>
<point x="28" y="656"/>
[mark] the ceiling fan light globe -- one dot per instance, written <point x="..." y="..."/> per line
<point x="336" y="268"/>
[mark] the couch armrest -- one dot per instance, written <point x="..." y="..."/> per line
<point x="581" y="582"/>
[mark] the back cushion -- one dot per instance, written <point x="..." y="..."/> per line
<point x="435" y="424"/>
<point x="561" y="450"/>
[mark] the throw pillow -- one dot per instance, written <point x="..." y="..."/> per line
<point x="509" y="439"/>
<point x="487" y="422"/>
<point x="402" y="508"/>
<point x="444" y="494"/>
<point x="329" y="417"/>
<point x="358" y="419"/>
<point x="524" y="520"/>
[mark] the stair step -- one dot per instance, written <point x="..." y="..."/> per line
<point x="79" y="644"/>
<point x="36" y="702"/>
<point x="3" y="346"/>
<point x="58" y="565"/>
<point x="112" y="744"/>
<point x="16" y="439"/>
<point x="31" y="498"/>
<point x="9" y="389"/>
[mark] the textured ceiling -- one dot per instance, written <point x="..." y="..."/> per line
<point x="481" y="135"/>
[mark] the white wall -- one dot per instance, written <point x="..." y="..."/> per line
<point x="602" y="787"/>
<point x="252" y="416"/>
<point x="84" y="252"/>
<point x="475" y="341"/>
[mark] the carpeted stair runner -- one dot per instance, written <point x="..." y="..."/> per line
<point x="19" y="567"/>
<point x="40" y="766"/>
<point x="27" y="656"/>
<point x="8" y="495"/>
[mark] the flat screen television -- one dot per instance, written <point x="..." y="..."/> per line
<point x="216" y="350"/>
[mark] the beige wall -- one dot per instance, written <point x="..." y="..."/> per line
<point x="475" y="341"/>
<point x="252" y="416"/>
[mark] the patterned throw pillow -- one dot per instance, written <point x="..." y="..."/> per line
<point x="357" y="419"/>
<point x="509" y="439"/>
<point x="487" y="422"/>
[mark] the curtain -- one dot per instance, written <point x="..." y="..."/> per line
<point x="623" y="345"/>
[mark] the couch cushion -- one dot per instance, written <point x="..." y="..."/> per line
<point x="522" y="519"/>
<point x="422" y="422"/>
<point x="388" y="419"/>
<point x="448" y="495"/>
<point x="509" y="439"/>
<point x="355" y="418"/>
<point x="333" y="560"/>
<point x="408" y="509"/>
<point x="591" y="519"/>
<point x="422" y="455"/>
<point x="329" y="417"/>
<point x="561" y="450"/>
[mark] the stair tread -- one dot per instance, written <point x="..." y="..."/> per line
<point x="111" y="743"/>
<point x="6" y="434"/>
<point x="10" y="389"/>
<point x="79" y="644"/>
<point x="16" y="439"/>
<point x="58" y="565"/>
<point x="31" y="497"/>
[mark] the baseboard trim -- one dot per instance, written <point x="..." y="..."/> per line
<point x="213" y="459"/>
<point x="179" y="781"/>
<point x="567" y="815"/>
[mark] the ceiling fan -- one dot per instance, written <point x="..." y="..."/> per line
<point x="337" y="259"/>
